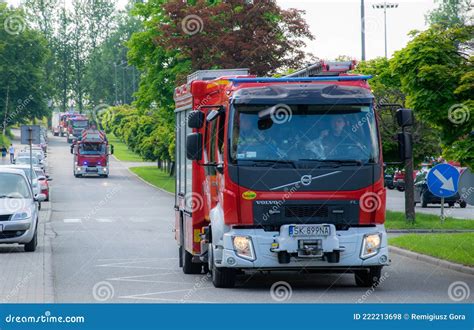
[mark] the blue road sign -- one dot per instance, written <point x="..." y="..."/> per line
<point x="443" y="180"/>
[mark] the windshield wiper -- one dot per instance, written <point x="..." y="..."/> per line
<point x="270" y="162"/>
<point x="335" y="162"/>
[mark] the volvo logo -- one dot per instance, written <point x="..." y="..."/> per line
<point x="306" y="180"/>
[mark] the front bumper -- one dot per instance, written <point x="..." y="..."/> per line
<point x="347" y="242"/>
<point x="25" y="229"/>
<point x="91" y="170"/>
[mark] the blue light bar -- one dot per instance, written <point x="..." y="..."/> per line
<point x="303" y="79"/>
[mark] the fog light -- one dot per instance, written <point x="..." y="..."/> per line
<point x="243" y="247"/>
<point x="370" y="245"/>
<point x="78" y="168"/>
<point x="230" y="261"/>
<point x="383" y="259"/>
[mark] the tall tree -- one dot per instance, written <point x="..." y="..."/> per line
<point x="451" y="12"/>
<point x="436" y="71"/>
<point x="23" y="54"/>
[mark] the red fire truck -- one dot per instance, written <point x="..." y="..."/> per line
<point x="75" y="126"/>
<point x="91" y="154"/>
<point x="279" y="174"/>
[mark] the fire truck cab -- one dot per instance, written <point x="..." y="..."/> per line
<point x="279" y="174"/>
<point x="75" y="125"/>
<point x="91" y="154"/>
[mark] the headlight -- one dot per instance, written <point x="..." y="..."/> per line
<point x="243" y="247"/>
<point x="371" y="245"/>
<point x="22" y="215"/>
<point x="78" y="168"/>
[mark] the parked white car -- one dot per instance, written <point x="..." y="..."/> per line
<point x="18" y="209"/>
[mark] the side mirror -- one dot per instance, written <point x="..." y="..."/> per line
<point x="40" y="197"/>
<point x="404" y="117"/>
<point x="196" y="119"/>
<point x="194" y="146"/>
<point x="405" y="146"/>
<point x="111" y="149"/>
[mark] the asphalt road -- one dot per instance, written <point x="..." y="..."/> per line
<point x="396" y="202"/>
<point x="112" y="241"/>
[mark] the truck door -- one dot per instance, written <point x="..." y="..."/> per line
<point x="210" y="153"/>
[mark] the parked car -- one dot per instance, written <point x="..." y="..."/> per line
<point x="43" y="180"/>
<point x="425" y="197"/>
<point x="388" y="180"/>
<point x="18" y="209"/>
<point x="23" y="159"/>
<point x="399" y="180"/>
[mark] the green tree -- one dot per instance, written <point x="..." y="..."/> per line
<point x="436" y="76"/>
<point x="23" y="54"/>
<point x="386" y="87"/>
<point x="450" y="13"/>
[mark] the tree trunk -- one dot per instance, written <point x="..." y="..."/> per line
<point x="409" y="191"/>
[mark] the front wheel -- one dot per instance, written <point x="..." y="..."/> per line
<point x="189" y="267"/>
<point x="368" y="278"/>
<point x="31" y="245"/>
<point x="462" y="204"/>
<point x="221" y="277"/>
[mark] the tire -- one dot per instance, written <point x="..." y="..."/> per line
<point x="400" y="189"/>
<point x="180" y="256"/>
<point x="39" y="206"/>
<point x="423" y="201"/>
<point x="390" y="186"/>
<point x="370" y="278"/>
<point x="462" y="204"/>
<point x="31" y="245"/>
<point x="189" y="267"/>
<point x="221" y="277"/>
<point x="105" y="175"/>
<point x="77" y="175"/>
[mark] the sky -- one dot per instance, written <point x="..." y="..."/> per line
<point x="337" y="28"/>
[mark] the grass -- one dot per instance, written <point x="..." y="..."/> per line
<point x="156" y="177"/>
<point x="396" y="220"/>
<point x="457" y="247"/>
<point x="121" y="151"/>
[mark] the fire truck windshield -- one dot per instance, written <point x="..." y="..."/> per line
<point x="79" y="123"/>
<point x="92" y="149"/>
<point x="304" y="133"/>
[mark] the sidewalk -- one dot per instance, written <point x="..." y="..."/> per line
<point x="26" y="277"/>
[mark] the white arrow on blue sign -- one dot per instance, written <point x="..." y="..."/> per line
<point x="442" y="180"/>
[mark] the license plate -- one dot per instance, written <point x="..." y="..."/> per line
<point x="91" y="170"/>
<point x="309" y="230"/>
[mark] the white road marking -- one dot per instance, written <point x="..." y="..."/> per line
<point x="105" y="220"/>
<point x="72" y="220"/>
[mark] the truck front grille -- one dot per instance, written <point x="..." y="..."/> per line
<point x="306" y="211"/>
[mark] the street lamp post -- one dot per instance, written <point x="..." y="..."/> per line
<point x="362" y="28"/>
<point x="384" y="6"/>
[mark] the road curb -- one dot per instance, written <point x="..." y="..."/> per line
<point x="148" y="183"/>
<point x="48" y="258"/>
<point x="432" y="260"/>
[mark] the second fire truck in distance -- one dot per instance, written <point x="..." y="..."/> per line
<point x="91" y="154"/>
<point x="279" y="174"/>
